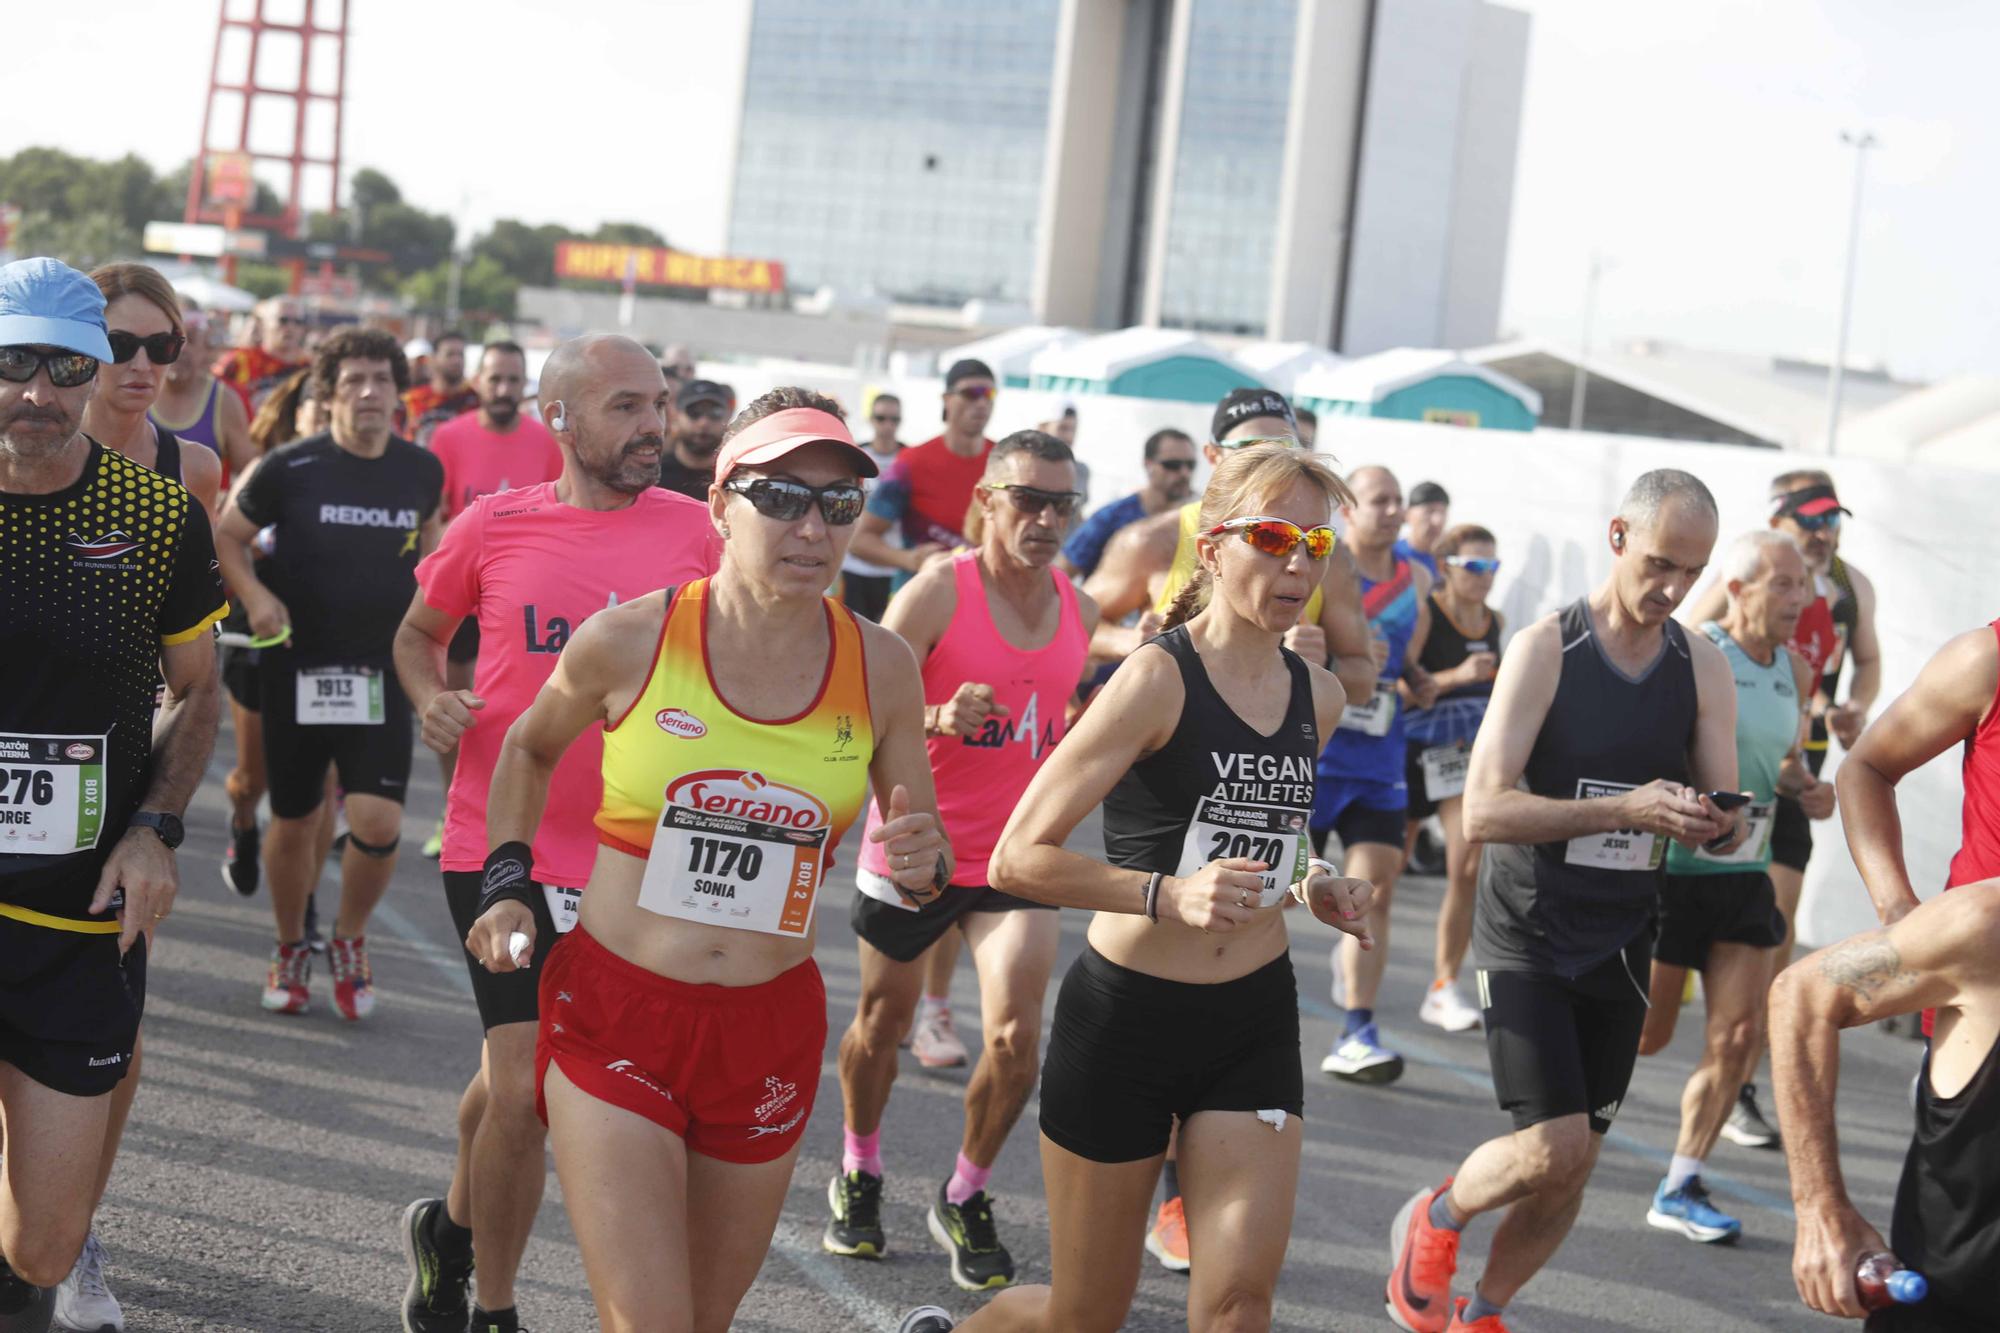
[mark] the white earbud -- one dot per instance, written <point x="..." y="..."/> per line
<point x="560" y="421"/>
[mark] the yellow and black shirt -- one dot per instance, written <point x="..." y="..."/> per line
<point x="94" y="580"/>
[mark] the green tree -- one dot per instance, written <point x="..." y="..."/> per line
<point x="263" y="279"/>
<point x="528" y="254"/>
<point x="627" y="233"/>
<point x="484" y="288"/>
<point x="369" y="189"/>
<point x="83" y="242"/>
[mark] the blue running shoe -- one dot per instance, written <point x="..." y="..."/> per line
<point x="1688" y="1211"/>
<point x="1360" y="1057"/>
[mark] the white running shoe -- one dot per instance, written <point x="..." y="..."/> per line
<point x="935" y="1042"/>
<point x="1339" y="986"/>
<point x="1444" y="1007"/>
<point x="83" y="1302"/>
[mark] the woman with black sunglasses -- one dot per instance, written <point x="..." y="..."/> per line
<point x="146" y="337"/>
<point x="1461" y="654"/>
<point x="683" y="1021"/>
<point x="1184" y="1007"/>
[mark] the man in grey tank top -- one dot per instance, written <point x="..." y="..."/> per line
<point x="1608" y="724"/>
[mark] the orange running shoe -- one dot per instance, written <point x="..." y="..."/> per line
<point x="1426" y="1256"/>
<point x="1167" y="1241"/>
<point x="1490" y="1324"/>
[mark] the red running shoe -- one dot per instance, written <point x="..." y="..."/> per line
<point x="353" y="983"/>
<point x="285" y="989"/>
<point x="1426" y="1256"/>
<point x="1490" y="1324"/>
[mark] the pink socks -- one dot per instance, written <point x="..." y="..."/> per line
<point x="967" y="1179"/>
<point x="861" y="1152"/>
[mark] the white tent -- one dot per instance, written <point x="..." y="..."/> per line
<point x="215" y="294"/>
<point x="1280" y="365"/>
<point x="1008" y="353"/>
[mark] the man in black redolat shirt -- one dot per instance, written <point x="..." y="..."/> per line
<point x="109" y="586"/>
<point x="354" y="510"/>
<point x="1620" y="723"/>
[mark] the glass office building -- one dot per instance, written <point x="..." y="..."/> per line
<point x="1332" y="171"/>
<point x="896" y="146"/>
<point x="1222" y="214"/>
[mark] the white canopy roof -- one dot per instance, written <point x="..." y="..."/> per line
<point x="1110" y="355"/>
<point x="1279" y="365"/>
<point x="1009" y="352"/>
<point x="1370" y="379"/>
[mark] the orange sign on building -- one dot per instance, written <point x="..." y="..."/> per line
<point x="652" y="266"/>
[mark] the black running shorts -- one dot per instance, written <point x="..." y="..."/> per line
<point x="1697" y="911"/>
<point x="239" y="676"/>
<point x="502" y="997"/>
<point x="1791" y="836"/>
<point x="904" y="935"/>
<point x="368" y="760"/>
<point x="69" y="1006"/>
<point x="1130" y="1052"/>
<point x="1566" y="1046"/>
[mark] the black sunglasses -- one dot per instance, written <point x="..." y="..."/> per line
<point x="66" y="369"/>
<point x="162" y="349"/>
<point x="888" y="421"/>
<point x="775" y="497"/>
<point x="1176" y="464"/>
<point x="1033" y="500"/>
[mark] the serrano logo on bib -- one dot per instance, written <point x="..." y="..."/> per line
<point x="748" y="795"/>
<point x="78" y="751"/>
<point x="680" y="722"/>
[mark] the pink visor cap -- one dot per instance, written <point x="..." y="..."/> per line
<point x="770" y="439"/>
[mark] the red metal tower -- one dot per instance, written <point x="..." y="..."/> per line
<point x="220" y="188"/>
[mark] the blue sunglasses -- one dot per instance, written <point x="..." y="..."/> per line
<point x="1473" y="564"/>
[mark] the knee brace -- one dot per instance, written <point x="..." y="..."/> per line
<point x="381" y="853"/>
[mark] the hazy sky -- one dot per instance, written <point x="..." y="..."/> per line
<point x="1694" y="143"/>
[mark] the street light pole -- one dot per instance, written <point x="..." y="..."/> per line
<point x="1579" y="382"/>
<point x="1860" y="143"/>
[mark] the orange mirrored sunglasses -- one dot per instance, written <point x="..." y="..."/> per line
<point x="1279" y="537"/>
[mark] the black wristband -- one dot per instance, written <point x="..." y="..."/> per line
<point x="509" y="875"/>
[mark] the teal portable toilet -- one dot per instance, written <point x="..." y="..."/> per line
<point x="1009" y="351"/>
<point x="1169" y="364"/>
<point x="1421" y="384"/>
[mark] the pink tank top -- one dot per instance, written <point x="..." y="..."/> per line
<point x="981" y="777"/>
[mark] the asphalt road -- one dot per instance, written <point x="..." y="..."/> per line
<point x="269" y="1159"/>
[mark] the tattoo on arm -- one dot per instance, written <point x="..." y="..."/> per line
<point x="1867" y="965"/>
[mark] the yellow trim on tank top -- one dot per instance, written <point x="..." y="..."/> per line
<point x="30" y="916"/>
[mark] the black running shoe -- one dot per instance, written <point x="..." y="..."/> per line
<point x="926" y="1319"/>
<point x="979" y="1261"/>
<point x="239" y="863"/>
<point x="1746" y="1125"/>
<point x="855" y="1230"/>
<point x="314" y="940"/>
<point x="435" y="1301"/>
<point x="504" y="1322"/>
<point x="22" y="1303"/>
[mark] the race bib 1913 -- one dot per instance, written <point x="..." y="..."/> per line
<point x="340" y="696"/>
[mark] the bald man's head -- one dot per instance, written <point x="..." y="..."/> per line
<point x="613" y="406"/>
<point x="1375" y="519"/>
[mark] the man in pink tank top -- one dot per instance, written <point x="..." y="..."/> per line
<point x="528" y="567"/>
<point x="1004" y="639"/>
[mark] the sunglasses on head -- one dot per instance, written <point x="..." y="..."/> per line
<point x="1033" y="500"/>
<point x="1474" y="564"/>
<point x="976" y="393"/>
<point x="1279" y="537"/>
<point x="1827" y="522"/>
<point x="1176" y="464"/>
<point x="66" y="369"/>
<point x="162" y="349"/>
<point x="777" y="497"/>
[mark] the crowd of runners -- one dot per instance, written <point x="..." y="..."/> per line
<point x="688" y="667"/>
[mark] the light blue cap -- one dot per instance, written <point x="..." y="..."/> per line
<point x="46" y="302"/>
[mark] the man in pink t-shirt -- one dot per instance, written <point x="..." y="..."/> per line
<point x="529" y="566"/>
<point x="492" y="449"/>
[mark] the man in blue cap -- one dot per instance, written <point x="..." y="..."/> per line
<point x="111" y="585"/>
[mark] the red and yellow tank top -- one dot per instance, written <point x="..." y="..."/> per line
<point x="738" y="817"/>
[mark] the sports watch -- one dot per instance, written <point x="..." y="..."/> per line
<point x="169" y="827"/>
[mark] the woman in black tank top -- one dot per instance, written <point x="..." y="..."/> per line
<point x="1461" y="655"/>
<point x="1183" y="1007"/>
<point x="144" y="323"/>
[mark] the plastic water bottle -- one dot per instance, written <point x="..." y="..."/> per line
<point x="1881" y="1281"/>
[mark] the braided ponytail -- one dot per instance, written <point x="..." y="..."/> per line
<point x="1188" y="602"/>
